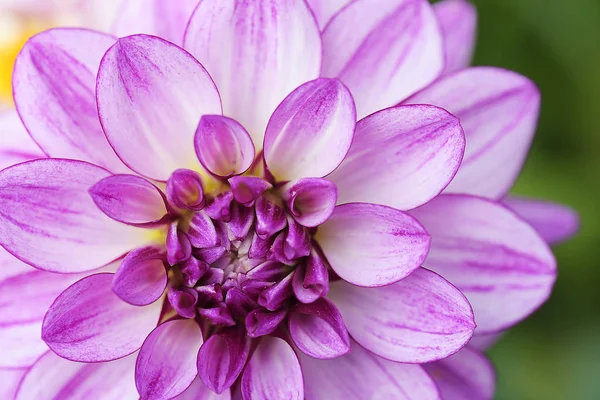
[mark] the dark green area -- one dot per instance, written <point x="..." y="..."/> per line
<point x="555" y="355"/>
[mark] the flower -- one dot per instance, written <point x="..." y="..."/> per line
<point x="216" y="222"/>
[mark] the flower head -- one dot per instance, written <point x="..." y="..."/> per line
<point x="225" y="225"/>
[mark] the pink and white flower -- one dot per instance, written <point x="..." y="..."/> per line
<point x="214" y="222"/>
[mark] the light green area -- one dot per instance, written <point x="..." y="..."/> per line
<point x="555" y="355"/>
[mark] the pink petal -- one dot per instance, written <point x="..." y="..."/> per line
<point x="54" y="81"/>
<point x="166" y="364"/>
<point x="16" y="145"/>
<point x="458" y="23"/>
<point x="151" y="95"/>
<point x="383" y="50"/>
<point x="311" y="200"/>
<point x="199" y="390"/>
<point x="554" y="222"/>
<point x="163" y="18"/>
<point x="310" y="132"/>
<point x="372" y="245"/>
<point x="422" y="318"/>
<point x="141" y="278"/>
<point x="89" y="323"/>
<point x="499" y="262"/>
<point x="273" y="372"/>
<point x="222" y="358"/>
<point x="361" y="375"/>
<point x="401" y="157"/>
<point x="130" y="199"/>
<point x="318" y="330"/>
<point x="257" y="51"/>
<point x="467" y="374"/>
<point x="325" y="9"/>
<point x="21" y="344"/>
<point x="9" y="382"/>
<point x="48" y="219"/>
<point x="498" y="111"/>
<point x="52" y="377"/>
<point x="223" y="146"/>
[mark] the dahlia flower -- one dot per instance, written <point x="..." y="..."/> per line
<point x="263" y="200"/>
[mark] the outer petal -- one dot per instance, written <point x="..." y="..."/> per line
<point x="15" y="143"/>
<point x="53" y="81"/>
<point x="89" y="323"/>
<point x="166" y="365"/>
<point x="467" y="374"/>
<point x="9" y="382"/>
<point x="151" y="95"/>
<point x="273" y="372"/>
<point x="52" y="377"/>
<point x="361" y="375"/>
<point x="419" y="319"/>
<point x="372" y="245"/>
<point x="458" y="23"/>
<point x="554" y="222"/>
<point x="311" y="131"/>
<point x="20" y="344"/>
<point x="257" y="51"/>
<point x="383" y="50"/>
<point x="498" y="111"/>
<point x="499" y="262"/>
<point x="198" y="390"/>
<point x="325" y="9"/>
<point x="163" y="18"/>
<point x="401" y="157"/>
<point x="48" y="219"/>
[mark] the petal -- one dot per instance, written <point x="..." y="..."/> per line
<point x="318" y="330"/>
<point x="458" y="23"/>
<point x="419" y="319"/>
<point x="310" y="132"/>
<point x="554" y="222"/>
<point x="257" y="52"/>
<point x="198" y="390"/>
<point x="53" y="81"/>
<point x="383" y="50"/>
<point x="89" y="323"/>
<point x="151" y="95"/>
<point x="498" y="111"/>
<point x="16" y="145"/>
<point x="401" y="157"/>
<point x="223" y="146"/>
<point x="483" y="342"/>
<point x="361" y="375"/>
<point x="467" y="374"/>
<point x="166" y="364"/>
<point x="21" y="344"/>
<point x="129" y="199"/>
<point x="246" y="189"/>
<point x="499" y="262"/>
<point x="372" y="245"/>
<point x="142" y="276"/>
<point x="184" y="190"/>
<point x="48" y="219"/>
<point x="9" y="382"/>
<point x="325" y="9"/>
<point x="311" y="200"/>
<point x="52" y="377"/>
<point x="222" y="358"/>
<point x="273" y="372"/>
<point x="202" y="232"/>
<point x="162" y="18"/>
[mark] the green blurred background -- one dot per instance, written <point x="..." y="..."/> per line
<point x="556" y="353"/>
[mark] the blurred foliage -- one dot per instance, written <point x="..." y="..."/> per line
<point x="555" y="355"/>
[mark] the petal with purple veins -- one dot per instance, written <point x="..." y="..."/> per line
<point x="166" y="363"/>
<point x="383" y="50"/>
<point x="257" y="51"/>
<point x="16" y="145"/>
<point x="310" y="132"/>
<point x="498" y="110"/>
<point x="324" y="10"/>
<point x="498" y="261"/>
<point x="422" y="318"/>
<point x="401" y="157"/>
<point x="184" y="190"/>
<point x="246" y="189"/>
<point x="311" y="200"/>
<point x="89" y="323"/>
<point x="372" y="245"/>
<point x="198" y="390"/>
<point x="151" y="95"/>
<point x="141" y="278"/>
